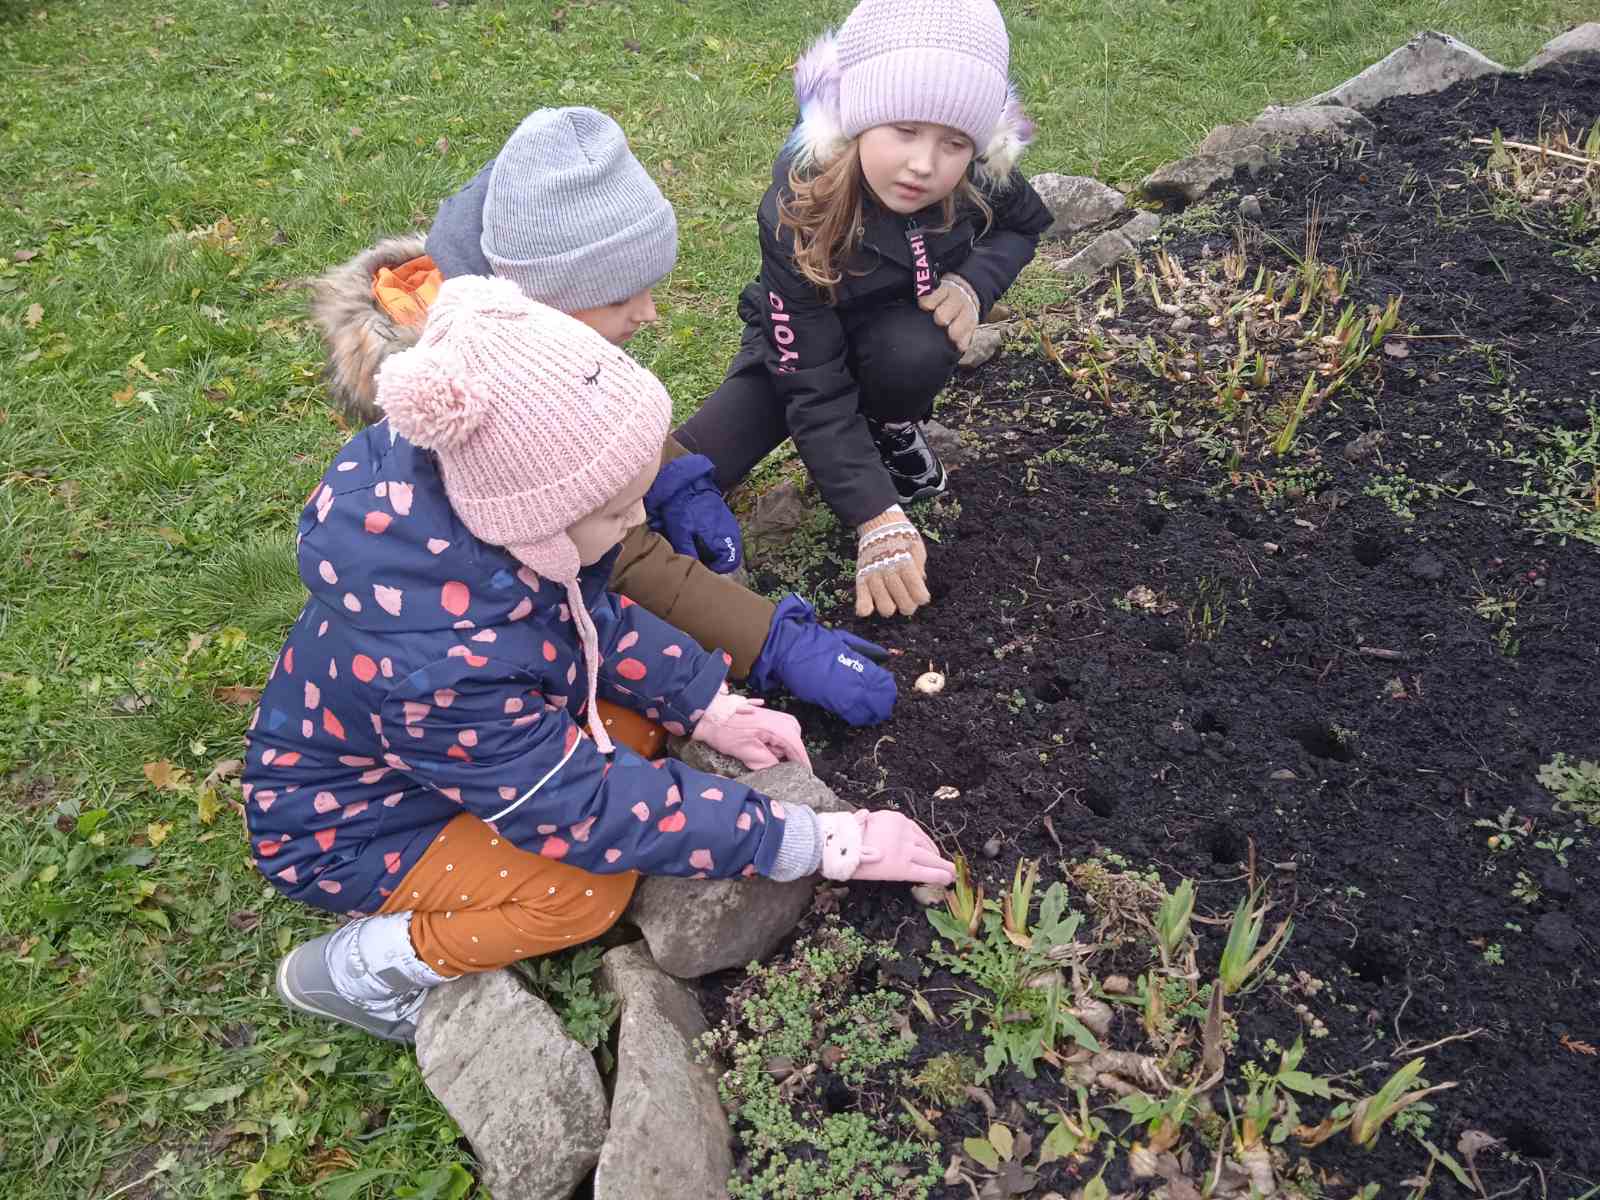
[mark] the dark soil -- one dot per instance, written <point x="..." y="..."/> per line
<point x="1357" y="780"/>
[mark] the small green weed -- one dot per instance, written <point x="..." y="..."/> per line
<point x="566" y="982"/>
<point x="792" y="1027"/>
<point x="1576" y="785"/>
<point x="1023" y="1002"/>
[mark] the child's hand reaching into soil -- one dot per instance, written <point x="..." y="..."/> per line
<point x="742" y="728"/>
<point x="890" y="565"/>
<point x="954" y="306"/>
<point x="880" y="845"/>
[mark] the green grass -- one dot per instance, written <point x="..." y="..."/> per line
<point x="171" y="173"/>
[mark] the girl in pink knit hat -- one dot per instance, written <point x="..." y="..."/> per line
<point x="895" y="220"/>
<point x="427" y="756"/>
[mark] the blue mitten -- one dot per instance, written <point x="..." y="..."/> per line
<point x="828" y="668"/>
<point x="685" y="506"/>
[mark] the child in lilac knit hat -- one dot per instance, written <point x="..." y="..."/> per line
<point x="895" y="220"/>
<point x="418" y="759"/>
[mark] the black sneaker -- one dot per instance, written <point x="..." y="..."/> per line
<point x="915" y="468"/>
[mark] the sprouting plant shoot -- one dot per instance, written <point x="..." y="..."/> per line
<point x="1016" y="903"/>
<point x="965" y="902"/>
<point x="1244" y="954"/>
<point x="1368" y="1116"/>
<point x="1172" y="920"/>
<point x="1292" y="426"/>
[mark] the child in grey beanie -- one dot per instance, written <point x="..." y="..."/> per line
<point x="565" y="211"/>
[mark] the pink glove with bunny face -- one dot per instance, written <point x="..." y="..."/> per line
<point x="880" y="845"/>
<point x="743" y="728"/>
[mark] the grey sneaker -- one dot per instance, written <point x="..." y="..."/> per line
<point x="305" y="983"/>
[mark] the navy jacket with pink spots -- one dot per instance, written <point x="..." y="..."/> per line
<point x="431" y="673"/>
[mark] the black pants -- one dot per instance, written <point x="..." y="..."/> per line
<point x="898" y="357"/>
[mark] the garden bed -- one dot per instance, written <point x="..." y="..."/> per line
<point x="1203" y="619"/>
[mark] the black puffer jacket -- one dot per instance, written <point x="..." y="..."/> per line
<point x="799" y="333"/>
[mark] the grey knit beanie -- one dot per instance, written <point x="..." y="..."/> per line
<point x="940" y="61"/>
<point x="571" y="217"/>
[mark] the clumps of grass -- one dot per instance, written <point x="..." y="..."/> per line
<point x="1254" y="350"/>
<point x="1162" y="1061"/>
<point x="804" y="1054"/>
<point x="1550" y="187"/>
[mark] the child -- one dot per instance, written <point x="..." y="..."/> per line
<point x="418" y="753"/>
<point x="895" y="220"/>
<point x="567" y="213"/>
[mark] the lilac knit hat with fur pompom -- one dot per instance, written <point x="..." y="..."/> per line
<point x="940" y="61"/>
<point x="536" y="420"/>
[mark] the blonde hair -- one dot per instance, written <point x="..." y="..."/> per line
<point x="824" y="209"/>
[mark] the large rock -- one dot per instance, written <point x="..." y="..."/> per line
<point x="696" y="926"/>
<point x="527" y="1096"/>
<point x="780" y="511"/>
<point x="1185" y="181"/>
<point x="703" y="758"/>
<point x="985" y="344"/>
<point x="947" y="444"/>
<point x="1277" y="128"/>
<point x="1076" y="202"/>
<point x="1429" y="62"/>
<point x="1110" y="246"/>
<point x="1585" y="39"/>
<point x="669" y="1135"/>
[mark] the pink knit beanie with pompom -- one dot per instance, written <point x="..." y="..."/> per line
<point x="536" y="420"/>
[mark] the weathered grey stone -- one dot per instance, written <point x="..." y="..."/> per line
<point x="527" y="1096"/>
<point x="1280" y="127"/>
<point x="669" y="1135"/>
<point x="946" y="443"/>
<point x="985" y="344"/>
<point x="1185" y="181"/>
<point x="1110" y="246"/>
<point x="1429" y="62"/>
<point x="780" y="511"/>
<point x="1076" y="202"/>
<point x="1585" y="39"/>
<point x="703" y="758"/>
<point x="696" y="926"/>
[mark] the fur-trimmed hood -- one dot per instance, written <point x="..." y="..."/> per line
<point x="819" y="136"/>
<point x="358" y="333"/>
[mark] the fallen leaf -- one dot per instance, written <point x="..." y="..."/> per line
<point x="225" y="768"/>
<point x="163" y="776"/>
<point x="207" y="805"/>
<point x="245" y="921"/>
<point x="23" y="256"/>
<point x="211" y="1097"/>
<point x="1397" y="350"/>
<point x="237" y="695"/>
<point x="157" y="831"/>
<point x="442" y="145"/>
<point x="33" y="316"/>
<point x="173" y="537"/>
